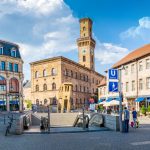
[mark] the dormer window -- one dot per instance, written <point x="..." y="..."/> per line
<point x="1" y="50"/>
<point x="13" y="52"/>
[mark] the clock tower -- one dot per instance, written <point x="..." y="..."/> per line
<point x="86" y="44"/>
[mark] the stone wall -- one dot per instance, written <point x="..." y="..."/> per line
<point x="111" y="121"/>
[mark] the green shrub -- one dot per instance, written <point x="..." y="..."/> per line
<point x="29" y="104"/>
<point x="143" y="110"/>
<point x="148" y="109"/>
<point x="100" y="107"/>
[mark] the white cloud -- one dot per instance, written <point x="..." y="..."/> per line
<point x="108" y="53"/>
<point x="46" y="28"/>
<point x="142" y="31"/>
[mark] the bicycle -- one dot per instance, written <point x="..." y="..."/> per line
<point x="9" y="125"/>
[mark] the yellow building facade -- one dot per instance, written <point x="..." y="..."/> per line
<point x="49" y="75"/>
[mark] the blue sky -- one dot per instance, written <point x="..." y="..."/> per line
<point x="47" y="28"/>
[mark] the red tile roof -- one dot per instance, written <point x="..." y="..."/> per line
<point x="136" y="54"/>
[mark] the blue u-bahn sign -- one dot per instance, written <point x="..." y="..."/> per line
<point x="113" y="86"/>
<point x="113" y="74"/>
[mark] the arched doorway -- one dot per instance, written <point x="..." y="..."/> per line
<point x="2" y="93"/>
<point x="14" y="94"/>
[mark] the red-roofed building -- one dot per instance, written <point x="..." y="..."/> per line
<point x="135" y="78"/>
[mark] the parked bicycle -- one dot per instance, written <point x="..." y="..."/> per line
<point x="9" y="125"/>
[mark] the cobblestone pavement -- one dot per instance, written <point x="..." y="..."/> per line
<point x="136" y="139"/>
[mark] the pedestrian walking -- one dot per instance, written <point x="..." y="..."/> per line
<point x="126" y="119"/>
<point x="134" y="116"/>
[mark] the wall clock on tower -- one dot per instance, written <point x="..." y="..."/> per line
<point x="83" y="51"/>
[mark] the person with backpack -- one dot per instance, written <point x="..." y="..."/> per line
<point x="134" y="116"/>
<point x="126" y="119"/>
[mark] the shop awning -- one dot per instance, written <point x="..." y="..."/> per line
<point x="117" y="99"/>
<point x="2" y="102"/>
<point x="109" y="99"/>
<point x="101" y="100"/>
<point x="139" y="99"/>
<point x="14" y="102"/>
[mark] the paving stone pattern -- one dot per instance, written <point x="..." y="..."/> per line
<point x="136" y="139"/>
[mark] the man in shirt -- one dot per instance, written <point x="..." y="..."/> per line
<point x="134" y="115"/>
<point x="126" y="119"/>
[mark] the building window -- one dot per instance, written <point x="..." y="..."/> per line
<point x="2" y="84"/>
<point x="127" y="86"/>
<point x="140" y="66"/>
<point x="14" y="85"/>
<point x="133" y="85"/>
<point x="84" y="88"/>
<point x="71" y="73"/>
<point x="87" y="89"/>
<point x="1" y="50"/>
<point x="13" y="53"/>
<point x="76" y="88"/>
<point x="53" y="72"/>
<point x="93" y="90"/>
<point x="76" y="75"/>
<point x="44" y="73"/>
<point x="45" y="101"/>
<point x="66" y="72"/>
<point x="147" y="63"/>
<point x="126" y="70"/>
<point x="84" y="28"/>
<point x="37" y="88"/>
<point x="37" y="102"/>
<point x="53" y="86"/>
<point x="80" y="101"/>
<point x="10" y="66"/>
<point x="93" y="80"/>
<point x="2" y="67"/>
<point x="84" y="58"/>
<point x="36" y="74"/>
<point x="132" y="68"/>
<point x="44" y="87"/>
<point x="16" y="67"/>
<point x="84" y="78"/>
<point x="148" y="82"/>
<point x="140" y="84"/>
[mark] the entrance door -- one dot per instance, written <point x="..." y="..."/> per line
<point x="65" y="105"/>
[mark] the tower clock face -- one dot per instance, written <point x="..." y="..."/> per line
<point x="83" y="51"/>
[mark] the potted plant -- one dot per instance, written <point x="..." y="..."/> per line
<point x="143" y="110"/>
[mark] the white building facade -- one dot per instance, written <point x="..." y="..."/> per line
<point x="135" y="79"/>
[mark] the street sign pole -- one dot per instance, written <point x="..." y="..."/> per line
<point x="120" y="102"/>
<point x="114" y="76"/>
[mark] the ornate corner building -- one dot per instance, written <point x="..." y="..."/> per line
<point x="49" y="76"/>
<point x="11" y="77"/>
